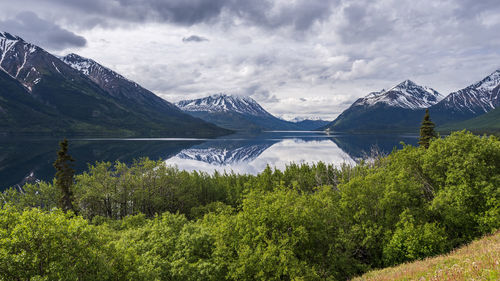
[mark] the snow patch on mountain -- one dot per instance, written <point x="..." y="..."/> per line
<point x="405" y="95"/>
<point x="224" y="103"/>
<point x="14" y="56"/>
<point x="489" y="83"/>
<point x="89" y="66"/>
<point x="7" y="41"/>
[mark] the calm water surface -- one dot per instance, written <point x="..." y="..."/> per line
<point x="29" y="159"/>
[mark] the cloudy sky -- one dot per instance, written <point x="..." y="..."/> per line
<point x="295" y="57"/>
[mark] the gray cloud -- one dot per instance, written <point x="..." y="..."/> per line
<point x="260" y="94"/>
<point x="299" y="14"/>
<point x="194" y="38"/>
<point x="364" y="23"/>
<point x="41" y="32"/>
<point x="470" y="8"/>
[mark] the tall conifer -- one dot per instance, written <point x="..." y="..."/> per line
<point x="65" y="176"/>
<point x="426" y="131"/>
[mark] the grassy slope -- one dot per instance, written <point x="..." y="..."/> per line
<point x="486" y="122"/>
<point x="479" y="260"/>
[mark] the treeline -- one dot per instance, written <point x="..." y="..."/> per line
<point x="148" y="221"/>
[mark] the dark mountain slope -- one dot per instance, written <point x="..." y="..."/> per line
<point x="18" y="109"/>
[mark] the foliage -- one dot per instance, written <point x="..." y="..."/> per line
<point x="412" y="241"/>
<point x="37" y="245"/>
<point x="281" y="235"/>
<point x="464" y="171"/>
<point x="308" y="222"/>
<point x="40" y="195"/>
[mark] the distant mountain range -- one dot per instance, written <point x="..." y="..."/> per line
<point x="43" y="94"/>
<point x="401" y="108"/>
<point x="241" y="114"/>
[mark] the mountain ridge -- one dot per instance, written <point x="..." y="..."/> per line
<point x="469" y="102"/>
<point x="78" y="104"/>
<point x="119" y="86"/>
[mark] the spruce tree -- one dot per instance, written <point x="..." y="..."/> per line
<point x="65" y="176"/>
<point x="426" y="131"/>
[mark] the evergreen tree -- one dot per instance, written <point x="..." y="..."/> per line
<point x="426" y="131"/>
<point x="64" y="176"/>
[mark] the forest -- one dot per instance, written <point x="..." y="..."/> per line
<point x="149" y="221"/>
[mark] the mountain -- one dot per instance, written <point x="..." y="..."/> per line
<point x="68" y="101"/>
<point x="225" y="103"/>
<point x="308" y="123"/>
<point x="235" y="113"/>
<point x="399" y="109"/>
<point x="406" y="95"/>
<point x="311" y="125"/>
<point x="472" y="101"/>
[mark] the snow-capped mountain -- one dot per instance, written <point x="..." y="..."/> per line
<point x="398" y="109"/>
<point x="234" y="112"/>
<point x="404" y="95"/>
<point x="117" y="85"/>
<point x="478" y="98"/>
<point x="224" y="103"/>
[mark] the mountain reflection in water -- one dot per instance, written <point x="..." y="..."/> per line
<point x="252" y="158"/>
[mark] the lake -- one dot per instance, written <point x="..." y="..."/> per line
<point x="30" y="159"/>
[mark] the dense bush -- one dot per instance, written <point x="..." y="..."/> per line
<point x="308" y="222"/>
<point x="36" y="245"/>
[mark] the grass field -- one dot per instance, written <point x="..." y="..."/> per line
<point x="479" y="260"/>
